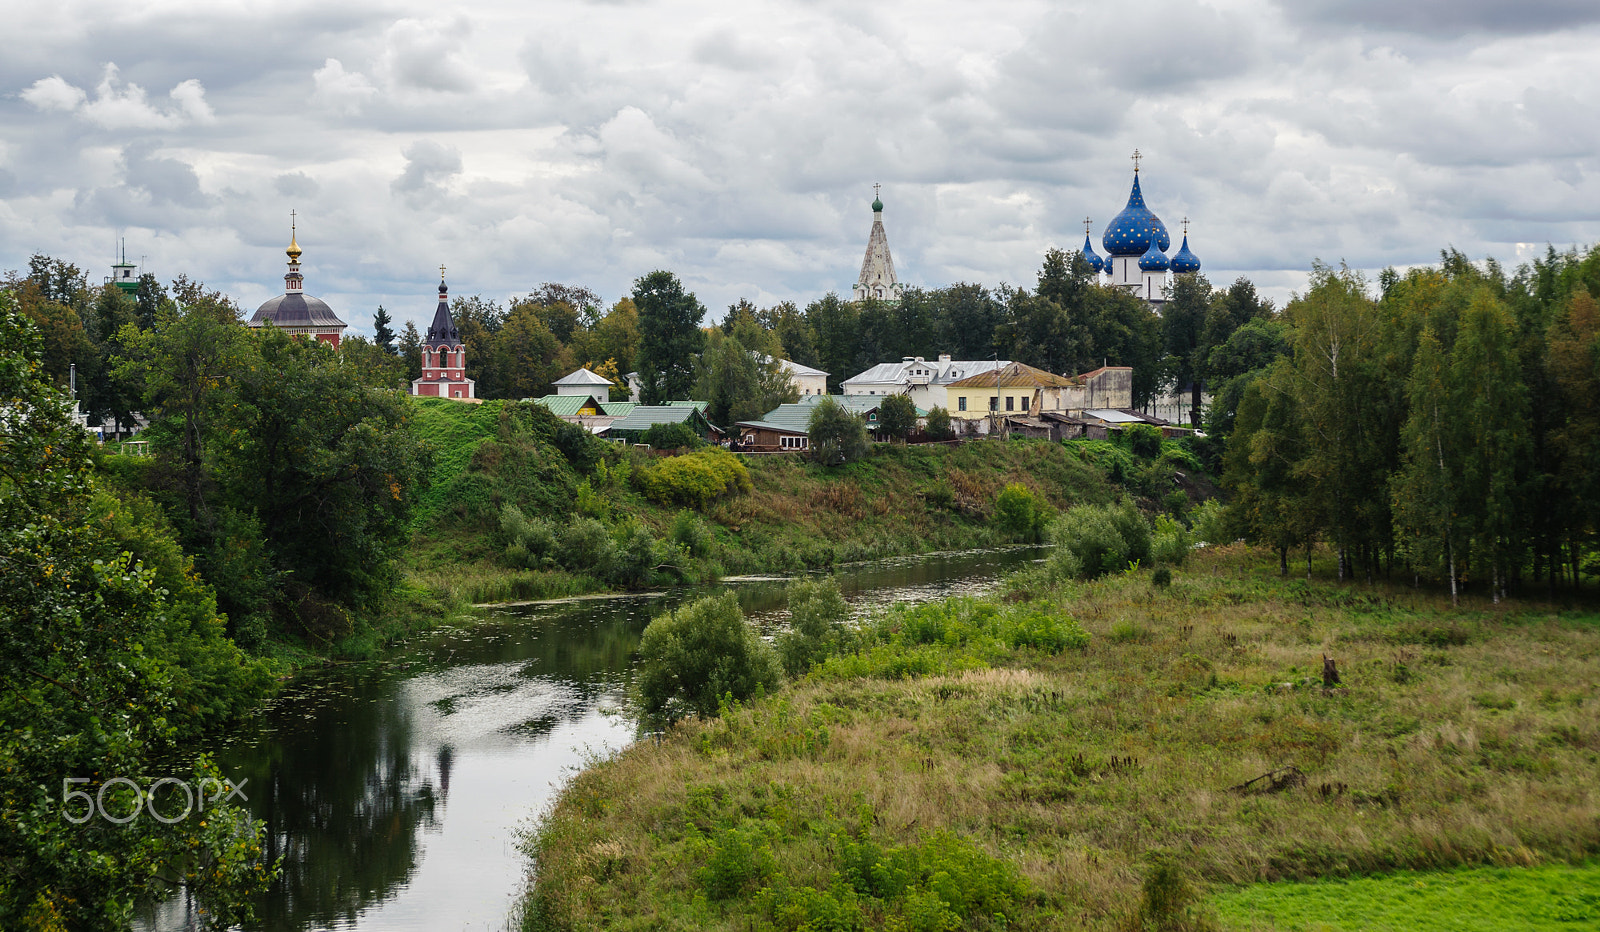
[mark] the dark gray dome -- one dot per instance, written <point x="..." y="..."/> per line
<point x="296" y="310"/>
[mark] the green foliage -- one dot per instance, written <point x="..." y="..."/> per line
<point x="1170" y="544"/>
<point x="1142" y="440"/>
<point x="669" y="337"/>
<point x="696" y="479"/>
<point x="738" y="863"/>
<point x="1093" y="540"/>
<point x="530" y="542"/>
<point x="691" y="533"/>
<point x="837" y="436"/>
<point x="97" y="656"/>
<point x="939" y="424"/>
<point x="817" y="616"/>
<point x="1020" y="514"/>
<point x="1211" y="523"/>
<point x="691" y="657"/>
<point x="944" y="637"/>
<point x="897" y="417"/>
<point x="585" y="546"/>
<point x="666" y="436"/>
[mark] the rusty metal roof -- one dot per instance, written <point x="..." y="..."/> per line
<point x="1014" y="375"/>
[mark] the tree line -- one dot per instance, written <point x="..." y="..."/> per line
<point x="1443" y="422"/>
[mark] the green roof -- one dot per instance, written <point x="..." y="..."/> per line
<point x="769" y="425"/>
<point x="619" y="408"/>
<point x="643" y="417"/>
<point x="569" y="405"/>
<point x="797" y="416"/>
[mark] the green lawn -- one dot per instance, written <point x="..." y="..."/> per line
<point x="1549" y="898"/>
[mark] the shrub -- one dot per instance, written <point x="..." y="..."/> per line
<point x="696" y="479"/>
<point x="1171" y="542"/>
<point x="586" y="547"/>
<point x="1020" y="515"/>
<point x="897" y="417"/>
<point x="691" y="657"/>
<point x="817" y="613"/>
<point x="939" y="424"/>
<point x="530" y="542"/>
<point x="738" y="861"/>
<point x="691" y="533"/>
<point x="837" y="436"/>
<point x="1161" y="578"/>
<point x="1211" y="523"/>
<point x="1093" y="540"/>
<point x="670" y="437"/>
<point x="635" y="556"/>
<point x="1142" y="440"/>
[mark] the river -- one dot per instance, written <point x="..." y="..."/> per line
<point x="395" y="791"/>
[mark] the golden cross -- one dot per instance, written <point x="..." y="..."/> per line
<point x="291" y="223"/>
<point x="1086" y="222"/>
<point x="441" y="273"/>
<point x="1185" y="226"/>
<point x="1136" y="158"/>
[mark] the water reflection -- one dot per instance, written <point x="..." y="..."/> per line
<point x="394" y="791"/>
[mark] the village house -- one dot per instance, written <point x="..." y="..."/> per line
<point x="924" y="380"/>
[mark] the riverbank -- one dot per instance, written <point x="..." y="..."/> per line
<point x="792" y="516"/>
<point x="1189" y="747"/>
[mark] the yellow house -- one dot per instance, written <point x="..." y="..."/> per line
<point x="1013" y="389"/>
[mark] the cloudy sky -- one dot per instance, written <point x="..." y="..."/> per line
<point x="736" y="144"/>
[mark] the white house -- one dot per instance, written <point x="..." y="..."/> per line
<point x="584" y="382"/>
<point x="924" y="380"/>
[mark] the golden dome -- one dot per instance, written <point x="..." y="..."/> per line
<point x="293" y="250"/>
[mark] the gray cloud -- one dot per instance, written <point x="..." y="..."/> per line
<point x="1446" y="18"/>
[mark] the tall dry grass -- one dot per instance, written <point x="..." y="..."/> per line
<point x="1457" y="737"/>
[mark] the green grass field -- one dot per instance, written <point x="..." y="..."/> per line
<point x="954" y="773"/>
<point x="1547" y="898"/>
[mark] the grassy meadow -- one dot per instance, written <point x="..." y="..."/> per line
<point x="965" y="767"/>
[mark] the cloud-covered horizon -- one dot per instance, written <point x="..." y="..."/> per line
<point x="591" y="143"/>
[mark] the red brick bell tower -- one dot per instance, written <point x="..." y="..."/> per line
<point x="444" y="357"/>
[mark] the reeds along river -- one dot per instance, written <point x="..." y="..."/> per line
<point x="394" y="791"/>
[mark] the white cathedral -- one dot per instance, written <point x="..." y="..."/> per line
<point x="1136" y="243"/>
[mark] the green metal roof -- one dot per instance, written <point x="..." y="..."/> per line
<point x="619" y="408"/>
<point x="569" y="405"/>
<point x="643" y="417"/>
<point x="769" y="425"/>
<point x="797" y="416"/>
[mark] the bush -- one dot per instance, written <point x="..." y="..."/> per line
<point x="691" y="657"/>
<point x="635" y="556"/>
<point x="817" y="613"/>
<point x="1171" y="543"/>
<point x="530" y="542"/>
<point x="837" y="436"/>
<point x="586" y="547"/>
<point x="1093" y="540"/>
<point x="691" y="533"/>
<point x="1211" y="523"/>
<point x="696" y="479"/>
<point x="670" y="437"/>
<point x="939" y="424"/>
<point x="1020" y="515"/>
<point x="1142" y="440"/>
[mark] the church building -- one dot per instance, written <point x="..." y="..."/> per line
<point x="1136" y="243"/>
<point x="295" y="311"/>
<point x="877" y="279"/>
<point x="444" y="356"/>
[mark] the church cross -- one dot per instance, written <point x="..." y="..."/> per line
<point x="1186" y="226"/>
<point x="441" y="273"/>
<point x="291" y="222"/>
<point x="1086" y="223"/>
<point x="875" y="188"/>
<point x="1136" y="158"/>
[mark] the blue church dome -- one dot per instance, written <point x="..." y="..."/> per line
<point x="1136" y="229"/>
<point x="1184" y="260"/>
<point x="1154" y="260"/>
<point x="1095" y="262"/>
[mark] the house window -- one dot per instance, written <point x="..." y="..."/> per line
<point x="792" y="443"/>
<point x="961" y="402"/>
<point x="994" y="403"/>
<point x="873" y="416"/>
<point x="1011" y="403"/>
<point x="1024" y="404"/>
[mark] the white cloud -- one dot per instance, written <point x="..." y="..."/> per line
<point x="54" y="93"/>
<point x="344" y="92"/>
<point x="117" y="105"/>
<point x="427" y="55"/>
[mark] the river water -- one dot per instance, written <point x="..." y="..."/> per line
<point x="395" y="791"/>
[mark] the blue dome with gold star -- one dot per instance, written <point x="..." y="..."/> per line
<point x="1136" y="229"/>
<point x="1153" y="260"/>
<point x="1095" y="262"/>
<point x="1184" y="260"/>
